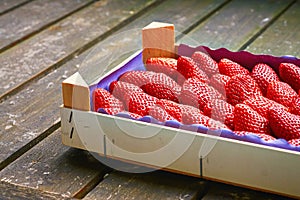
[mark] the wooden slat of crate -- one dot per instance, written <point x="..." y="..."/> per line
<point x="283" y="37"/>
<point x="58" y="43"/>
<point x="52" y="167"/>
<point x="8" y="5"/>
<point x="237" y="23"/>
<point x="153" y="185"/>
<point x="33" y="17"/>
<point x="17" y="135"/>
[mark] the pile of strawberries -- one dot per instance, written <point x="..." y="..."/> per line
<point x="199" y="90"/>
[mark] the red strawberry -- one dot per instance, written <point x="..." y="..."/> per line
<point x="138" y="78"/>
<point x="247" y="119"/>
<point x="133" y="115"/>
<point x="262" y="105"/>
<point x="263" y="74"/>
<point x="263" y="136"/>
<point x="120" y="88"/>
<point x="281" y="93"/>
<point x="139" y="103"/>
<point x="189" y="69"/>
<point x="160" y="114"/>
<point x="295" y="108"/>
<point x="196" y="93"/>
<point x="103" y="99"/>
<point x="220" y="110"/>
<point x="295" y="142"/>
<point x="205" y="63"/>
<point x="284" y="124"/>
<point x="218" y="81"/>
<point x="167" y="66"/>
<point x="230" y="68"/>
<point x="155" y="84"/>
<point x="176" y="110"/>
<point x="195" y="117"/>
<point x="290" y="74"/>
<point x="240" y="88"/>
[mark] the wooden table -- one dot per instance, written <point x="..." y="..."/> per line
<point x="42" y="42"/>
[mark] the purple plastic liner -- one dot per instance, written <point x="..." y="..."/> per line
<point x="244" y="58"/>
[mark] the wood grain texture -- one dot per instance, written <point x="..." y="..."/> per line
<point x="33" y="17"/>
<point x="152" y="185"/>
<point x="283" y="37"/>
<point x="56" y="44"/>
<point x="236" y="23"/>
<point x="8" y="5"/>
<point x="15" y="192"/>
<point x="52" y="167"/>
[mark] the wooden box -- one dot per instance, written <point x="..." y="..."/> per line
<point x="191" y="150"/>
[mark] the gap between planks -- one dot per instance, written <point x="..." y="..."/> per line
<point x="80" y="50"/>
<point x="261" y="31"/>
<point x="47" y="25"/>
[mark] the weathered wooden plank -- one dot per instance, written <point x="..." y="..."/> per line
<point x="59" y="42"/>
<point x="237" y="22"/>
<point x="8" y="5"/>
<point x="228" y="192"/>
<point x="52" y="167"/>
<point x="23" y="124"/>
<point x="13" y="192"/>
<point x="152" y="185"/>
<point x="283" y="37"/>
<point x="33" y="17"/>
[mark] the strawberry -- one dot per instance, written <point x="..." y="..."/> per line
<point x="263" y="74"/>
<point x="290" y="74"/>
<point x="247" y="119"/>
<point x="156" y="84"/>
<point x="196" y="93"/>
<point x="120" y="88"/>
<point x="205" y="63"/>
<point x="160" y="114"/>
<point x="138" y="78"/>
<point x="263" y="136"/>
<point x="240" y="88"/>
<point x="295" y="142"/>
<point x="103" y="99"/>
<point x="133" y="115"/>
<point x="284" y="124"/>
<point x="220" y="110"/>
<point x="176" y="110"/>
<point x="139" y="103"/>
<point x="262" y="105"/>
<point x="230" y="68"/>
<point x="195" y="118"/>
<point x="295" y="107"/>
<point x="281" y="93"/>
<point x="167" y="66"/>
<point x="218" y="81"/>
<point x="189" y="69"/>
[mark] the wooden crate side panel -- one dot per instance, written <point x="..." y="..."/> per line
<point x="253" y="166"/>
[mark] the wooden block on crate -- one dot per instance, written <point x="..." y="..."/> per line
<point x="158" y="40"/>
<point x="76" y="93"/>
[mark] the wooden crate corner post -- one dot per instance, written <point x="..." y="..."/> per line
<point x="76" y="93"/>
<point x="158" y="40"/>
